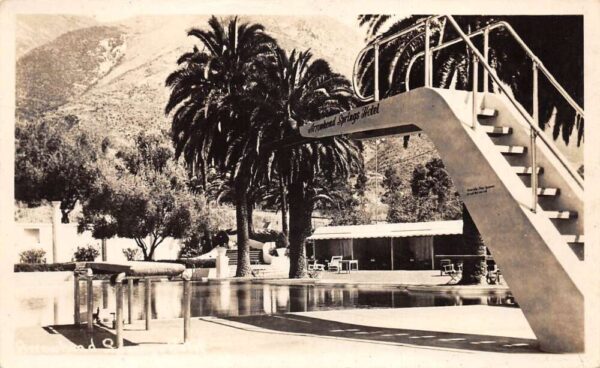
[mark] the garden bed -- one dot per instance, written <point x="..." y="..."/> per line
<point x="44" y="267"/>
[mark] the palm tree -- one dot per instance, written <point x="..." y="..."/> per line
<point x="213" y="108"/>
<point x="301" y="91"/>
<point x="564" y="60"/>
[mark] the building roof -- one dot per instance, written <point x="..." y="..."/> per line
<point x="388" y="230"/>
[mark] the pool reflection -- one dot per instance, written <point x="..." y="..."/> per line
<point x="224" y="299"/>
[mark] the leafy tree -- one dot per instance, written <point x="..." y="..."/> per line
<point x="347" y="204"/>
<point x="432" y="179"/>
<point x="55" y="160"/>
<point x="432" y="196"/>
<point x="213" y="119"/>
<point x="143" y="194"/>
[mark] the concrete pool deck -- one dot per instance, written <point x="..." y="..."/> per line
<point x="428" y="280"/>
<point x="465" y="336"/>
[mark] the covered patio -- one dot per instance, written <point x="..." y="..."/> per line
<point x="404" y="246"/>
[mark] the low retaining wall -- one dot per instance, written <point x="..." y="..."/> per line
<point x="42" y="278"/>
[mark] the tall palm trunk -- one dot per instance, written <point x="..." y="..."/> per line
<point x="474" y="269"/>
<point x="284" y="210"/>
<point x="241" y="217"/>
<point x="300" y="209"/>
<point x="250" y="213"/>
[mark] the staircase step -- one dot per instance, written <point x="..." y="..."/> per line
<point x="574" y="238"/>
<point x="526" y="170"/>
<point x="496" y="130"/>
<point x="561" y="215"/>
<point x="487" y="113"/>
<point x="512" y="150"/>
<point x="549" y="192"/>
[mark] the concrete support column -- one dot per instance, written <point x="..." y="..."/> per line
<point x="76" y="309"/>
<point x="187" y="303"/>
<point x="129" y="301"/>
<point x="119" y="315"/>
<point x="90" y="301"/>
<point x="56" y="215"/>
<point x="222" y="264"/>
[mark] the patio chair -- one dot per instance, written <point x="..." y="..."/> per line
<point x="336" y="263"/>
<point x="443" y="263"/>
<point x="314" y="266"/>
<point x="493" y="275"/>
<point x="448" y="269"/>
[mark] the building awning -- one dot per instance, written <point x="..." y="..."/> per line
<point x="388" y="230"/>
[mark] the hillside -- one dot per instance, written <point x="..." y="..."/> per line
<point x="53" y="74"/>
<point x="112" y="76"/>
<point x="35" y="30"/>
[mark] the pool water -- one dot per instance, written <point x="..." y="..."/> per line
<point x="52" y="305"/>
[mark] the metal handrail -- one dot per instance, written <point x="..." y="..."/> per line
<point x="482" y="31"/>
<point x="515" y="35"/>
<point x="535" y="130"/>
<point x="533" y="125"/>
<point x="376" y="43"/>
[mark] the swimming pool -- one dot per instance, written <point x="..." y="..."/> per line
<point x="51" y="305"/>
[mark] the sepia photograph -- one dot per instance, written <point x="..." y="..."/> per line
<point x="291" y="184"/>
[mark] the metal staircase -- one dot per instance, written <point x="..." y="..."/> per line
<point x="522" y="194"/>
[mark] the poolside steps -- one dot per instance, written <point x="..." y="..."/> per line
<point x="527" y="170"/>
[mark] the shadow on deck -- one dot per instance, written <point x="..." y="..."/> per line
<point x="289" y="323"/>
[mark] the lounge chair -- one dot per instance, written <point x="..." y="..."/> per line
<point x="336" y="263"/>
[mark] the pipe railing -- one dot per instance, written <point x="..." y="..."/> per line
<point x="375" y="44"/>
<point x="488" y="71"/>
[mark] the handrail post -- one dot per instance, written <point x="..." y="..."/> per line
<point x="427" y="80"/>
<point x="533" y="134"/>
<point x="486" y="51"/>
<point x="148" y="302"/>
<point x="376" y="72"/>
<point x="475" y="83"/>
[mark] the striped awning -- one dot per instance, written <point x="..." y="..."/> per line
<point x="388" y="230"/>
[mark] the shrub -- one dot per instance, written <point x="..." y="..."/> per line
<point x="282" y="241"/>
<point x="88" y="253"/>
<point x="33" y="256"/>
<point x="191" y="247"/>
<point x="266" y="236"/>
<point x="44" y="267"/>
<point x="131" y="254"/>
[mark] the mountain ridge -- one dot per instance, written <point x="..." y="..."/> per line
<point x="127" y="93"/>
